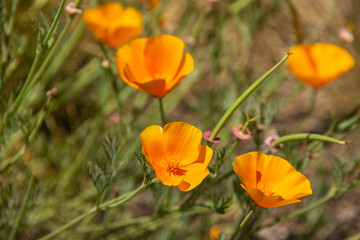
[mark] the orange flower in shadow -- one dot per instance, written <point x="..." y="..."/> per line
<point x="154" y="65"/>
<point x="320" y="63"/>
<point x="113" y="24"/>
<point x="176" y="154"/>
<point x="269" y="180"/>
<point x="214" y="232"/>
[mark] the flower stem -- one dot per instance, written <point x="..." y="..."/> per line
<point x="244" y="96"/>
<point x="22" y="209"/>
<point x="306" y="136"/>
<point x="109" y="204"/>
<point x="296" y="20"/>
<point x="242" y="224"/>
<point x="163" y="121"/>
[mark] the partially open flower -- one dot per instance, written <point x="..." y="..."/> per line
<point x="320" y="63"/>
<point x="176" y="154"/>
<point x="269" y="180"/>
<point x="113" y="24"/>
<point x="207" y="136"/>
<point x="240" y="133"/>
<point x="154" y="65"/>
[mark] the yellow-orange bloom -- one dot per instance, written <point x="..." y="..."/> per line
<point x="154" y="65"/>
<point x="269" y="180"/>
<point x="320" y="63"/>
<point x="214" y="232"/>
<point x="113" y="24"/>
<point x="176" y="154"/>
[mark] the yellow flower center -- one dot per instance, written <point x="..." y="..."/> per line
<point x="267" y="190"/>
<point x="174" y="167"/>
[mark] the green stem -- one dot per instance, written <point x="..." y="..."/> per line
<point x="296" y="20"/>
<point x="306" y="136"/>
<point x="243" y="97"/>
<point x="31" y="79"/>
<point x="109" y="204"/>
<point x="163" y="121"/>
<point x="22" y="209"/>
<point x="242" y="224"/>
<point x="43" y="114"/>
<point x="54" y="23"/>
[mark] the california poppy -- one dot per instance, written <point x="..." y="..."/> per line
<point x="269" y="180"/>
<point x="154" y="65"/>
<point x="176" y="154"/>
<point x="320" y="63"/>
<point x="113" y="24"/>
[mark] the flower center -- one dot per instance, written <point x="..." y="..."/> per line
<point x="174" y="167"/>
<point x="267" y="190"/>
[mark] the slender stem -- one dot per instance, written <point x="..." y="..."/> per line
<point x="54" y="23"/>
<point x="22" y="209"/>
<point x="69" y="224"/>
<point x="43" y="114"/>
<point x="242" y="224"/>
<point x="296" y="20"/>
<point x="109" y="204"/>
<point x="163" y="121"/>
<point x="243" y="97"/>
<point x="306" y="136"/>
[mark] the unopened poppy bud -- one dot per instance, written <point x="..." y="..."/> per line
<point x="72" y="10"/>
<point x="105" y="63"/>
<point x="240" y="133"/>
<point x="269" y="143"/>
<point x="52" y="93"/>
<point x="345" y="35"/>
<point x="207" y="136"/>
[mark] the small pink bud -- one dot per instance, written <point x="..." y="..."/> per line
<point x="52" y="93"/>
<point x="345" y="35"/>
<point x="207" y="135"/>
<point x="71" y="10"/>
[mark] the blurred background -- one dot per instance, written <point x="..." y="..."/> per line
<point x="232" y="43"/>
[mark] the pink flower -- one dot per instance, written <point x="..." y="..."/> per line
<point x="207" y="135"/>
<point x="240" y="133"/>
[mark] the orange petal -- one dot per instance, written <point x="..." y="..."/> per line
<point x="320" y="63"/>
<point x="113" y="24"/>
<point x="245" y="167"/>
<point x="153" y="146"/>
<point x="205" y="156"/>
<point x="194" y="176"/>
<point x="155" y="88"/>
<point x="186" y="67"/>
<point x="167" y="178"/>
<point x="130" y="63"/>
<point x="163" y="55"/>
<point x="268" y="201"/>
<point x="182" y="142"/>
<point x="294" y="185"/>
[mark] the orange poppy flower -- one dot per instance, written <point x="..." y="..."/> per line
<point x="320" y="63"/>
<point x="176" y="154"/>
<point x="154" y="65"/>
<point x="269" y="180"/>
<point x="113" y="24"/>
<point x="214" y="232"/>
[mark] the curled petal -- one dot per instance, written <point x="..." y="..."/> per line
<point x="240" y="134"/>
